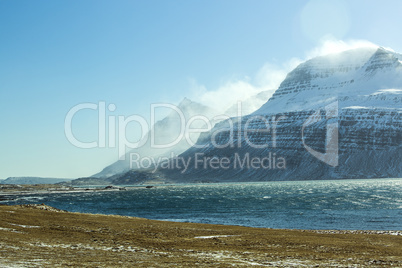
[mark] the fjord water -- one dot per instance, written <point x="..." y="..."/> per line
<point x="344" y="204"/>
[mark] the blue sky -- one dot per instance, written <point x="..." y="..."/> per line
<point x="57" y="54"/>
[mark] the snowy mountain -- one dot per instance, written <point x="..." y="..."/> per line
<point x="333" y="117"/>
<point x="365" y="77"/>
<point x="165" y="131"/>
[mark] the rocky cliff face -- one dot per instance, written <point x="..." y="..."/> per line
<point x="363" y="151"/>
<point x="333" y="117"/>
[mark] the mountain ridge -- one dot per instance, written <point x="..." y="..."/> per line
<point x="365" y="87"/>
<point x="33" y="180"/>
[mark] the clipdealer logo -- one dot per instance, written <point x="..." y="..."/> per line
<point x="240" y="133"/>
<point x="108" y="125"/>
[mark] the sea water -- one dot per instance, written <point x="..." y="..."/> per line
<point x="344" y="204"/>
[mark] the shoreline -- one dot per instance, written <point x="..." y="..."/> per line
<point x="20" y="194"/>
<point x="37" y="189"/>
<point x="39" y="235"/>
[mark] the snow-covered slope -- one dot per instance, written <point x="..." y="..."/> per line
<point x="364" y="77"/>
<point x="333" y="117"/>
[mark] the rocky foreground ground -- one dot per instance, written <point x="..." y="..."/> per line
<point x="41" y="236"/>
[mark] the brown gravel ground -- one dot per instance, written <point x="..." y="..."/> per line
<point x="40" y="236"/>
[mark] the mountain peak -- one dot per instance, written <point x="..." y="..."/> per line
<point x="381" y="59"/>
<point x="185" y="102"/>
<point x="354" y="74"/>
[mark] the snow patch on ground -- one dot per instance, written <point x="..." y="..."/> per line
<point x="214" y="236"/>
<point x="24" y="226"/>
<point x="9" y="230"/>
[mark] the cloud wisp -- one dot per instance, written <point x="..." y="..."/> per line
<point x="268" y="78"/>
